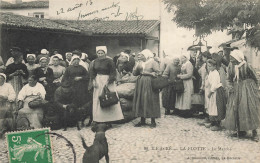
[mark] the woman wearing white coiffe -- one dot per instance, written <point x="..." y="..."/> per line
<point x="183" y="100"/>
<point x="28" y="93"/>
<point x="7" y="98"/>
<point x="103" y="72"/>
<point x="82" y="63"/>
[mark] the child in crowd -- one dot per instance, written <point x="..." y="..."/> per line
<point x="217" y="100"/>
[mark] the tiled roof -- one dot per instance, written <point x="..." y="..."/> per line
<point x="112" y="27"/>
<point x="32" y="4"/>
<point x="141" y="27"/>
<point x="18" y="21"/>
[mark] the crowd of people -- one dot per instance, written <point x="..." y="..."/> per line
<point x="224" y="89"/>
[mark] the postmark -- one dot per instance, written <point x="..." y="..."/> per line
<point x="27" y="146"/>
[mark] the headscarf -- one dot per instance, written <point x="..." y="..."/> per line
<point x="124" y="55"/>
<point x="103" y="48"/>
<point x="84" y="56"/>
<point x="239" y="56"/>
<point x="147" y="53"/>
<point x="3" y="75"/>
<point x="44" y="51"/>
<point x="59" y="56"/>
<point x="68" y="53"/>
<point x="74" y="57"/>
<point x="43" y="58"/>
<point x="32" y="55"/>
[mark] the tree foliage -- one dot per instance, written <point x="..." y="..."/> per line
<point x="206" y="16"/>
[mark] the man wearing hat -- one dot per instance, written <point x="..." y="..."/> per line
<point x="72" y="113"/>
<point x="63" y="98"/>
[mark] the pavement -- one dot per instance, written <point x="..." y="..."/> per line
<point x="175" y="139"/>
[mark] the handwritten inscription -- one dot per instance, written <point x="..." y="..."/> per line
<point x="87" y="14"/>
<point x="73" y="8"/>
<point x="109" y="12"/>
<point x="112" y="6"/>
<point x="133" y="16"/>
<point x="118" y="13"/>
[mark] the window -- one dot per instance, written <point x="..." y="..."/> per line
<point x="38" y="14"/>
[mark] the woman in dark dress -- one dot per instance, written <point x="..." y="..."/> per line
<point x="243" y="112"/>
<point x="146" y="100"/>
<point x="78" y="76"/>
<point x="45" y="76"/>
<point x="103" y="73"/>
<point x="169" y="95"/>
<point x="16" y="72"/>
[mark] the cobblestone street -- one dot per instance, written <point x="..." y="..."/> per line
<point x="174" y="140"/>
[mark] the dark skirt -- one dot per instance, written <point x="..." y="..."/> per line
<point x="221" y="105"/>
<point x="6" y="117"/>
<point x="50" y="90"/>
<point x="146" y="100"/>
<point x="82" y="95"/>
<point x="197" y="81"/>
<point x="243" y="107"/>
<point x="168" y="97"/>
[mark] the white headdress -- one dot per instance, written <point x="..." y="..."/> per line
<point x="239" y="56"/>
<point x="3" y="75"/>
<point x="103" y="48"/>
<point x="74" y="57"/>
<point x="125" y="55"/>
<point x="32" y="55"/>
<point x="68" y="53"/>
<point x="44" y="51"/>
<point x="147" y="53"/>
<point x="84" y="56"/>
<point x="59" y="56"/>
<point x="42" y="58"/>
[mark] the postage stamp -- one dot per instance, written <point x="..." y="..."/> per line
<point x="30" y="146"/>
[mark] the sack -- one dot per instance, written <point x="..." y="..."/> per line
<point x="36" y="103"/>
<point x="126" y="90"/>
<point x="159" y="82"/>
<point x="126" y="105"/>
<point x="108" y="98"/>
<point x="197" y="99"/>
<point x="179" y="86"/>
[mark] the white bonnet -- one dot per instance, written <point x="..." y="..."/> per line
<point x="103" y="48"/>
<point x="31" y="55"/>
<point x="147" y="53"/>
<point x="238" y="55"/>
<point x="44" y="51"/>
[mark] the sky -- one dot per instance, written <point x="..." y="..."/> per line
<point x="176" y="40"/>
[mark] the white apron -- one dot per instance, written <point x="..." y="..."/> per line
<point x="112" y="113"/>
